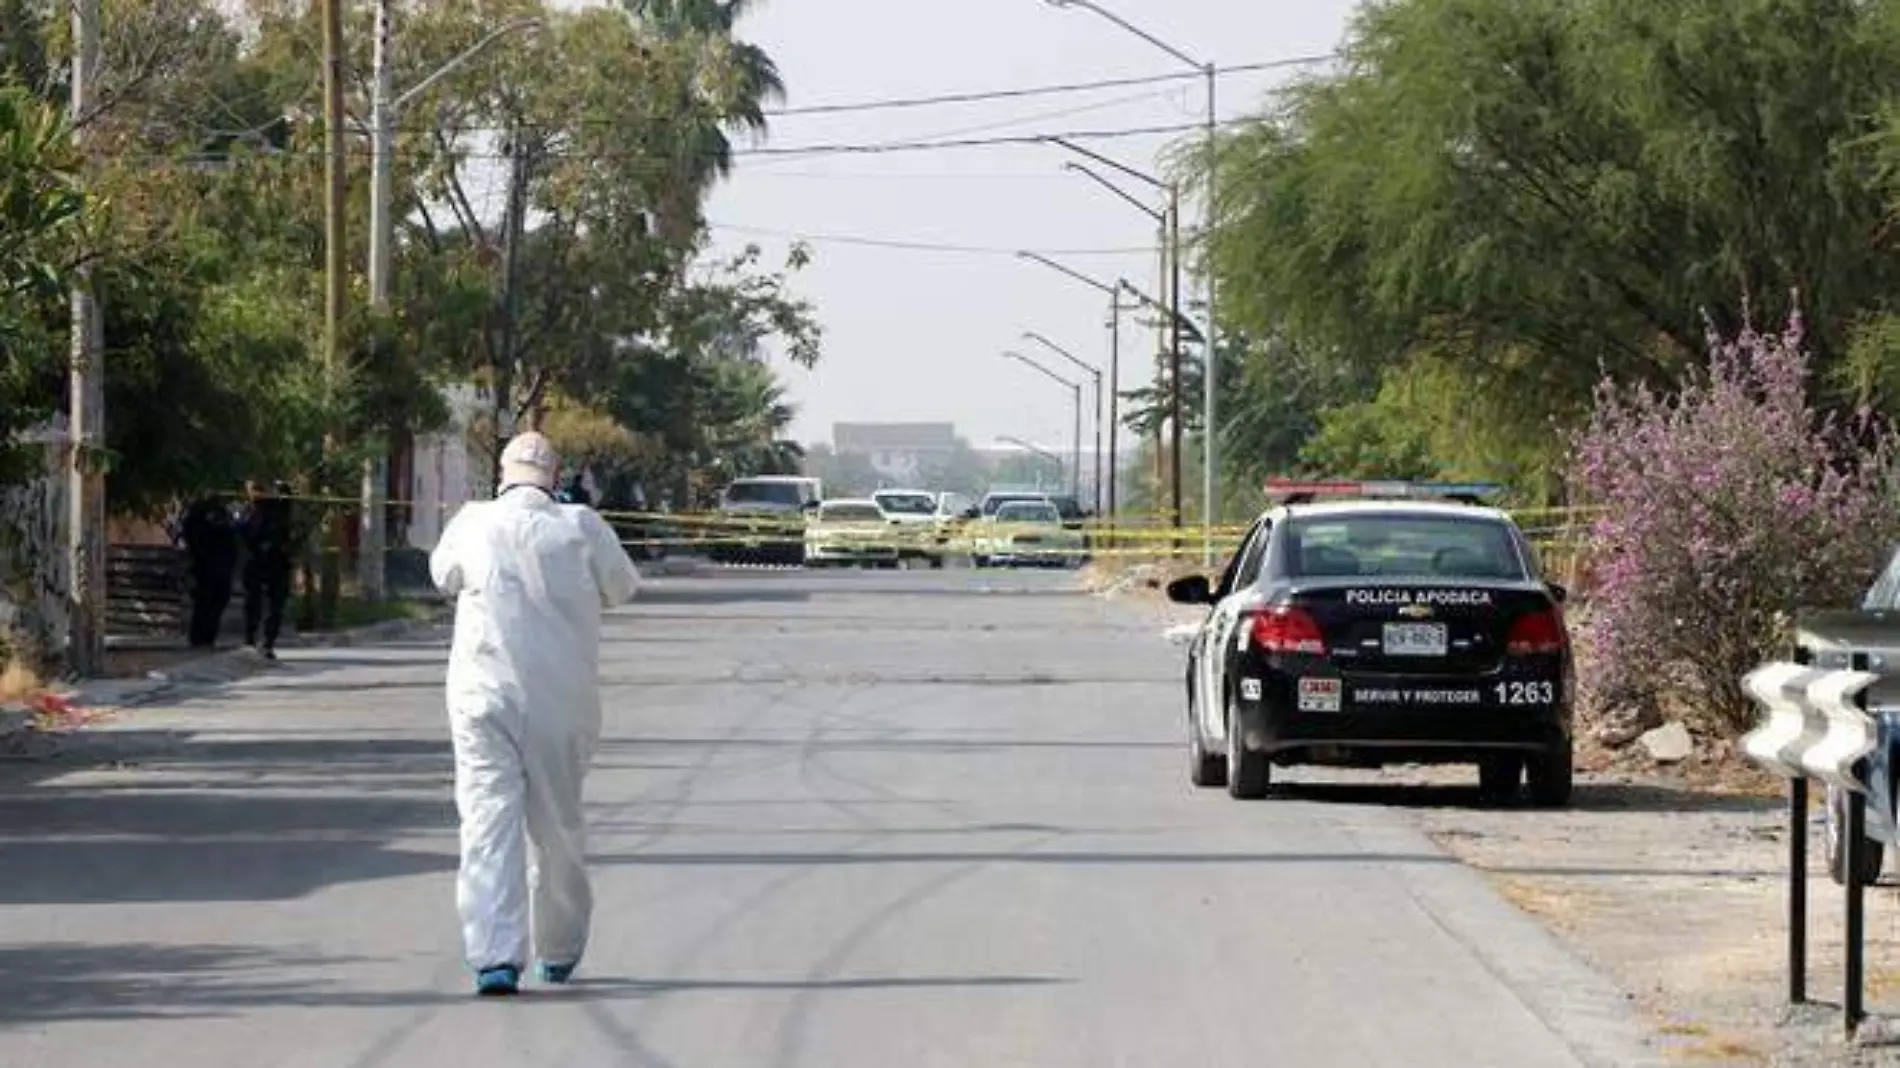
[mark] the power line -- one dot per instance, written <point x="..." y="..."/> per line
<point x="901" y="103"/>
<point x="904" y="245"/>
<point x="842" y="148"/>
<point x="980" y="96"/>
<point x="882" y="147"/>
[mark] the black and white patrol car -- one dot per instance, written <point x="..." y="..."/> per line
<point x="1406" y="625"/>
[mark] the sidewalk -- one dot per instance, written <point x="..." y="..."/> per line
<point x="97" y="701"/>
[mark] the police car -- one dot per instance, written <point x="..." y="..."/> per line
<point x="1406" y="623"/>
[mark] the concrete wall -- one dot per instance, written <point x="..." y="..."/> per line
<point x="447" y="470"/>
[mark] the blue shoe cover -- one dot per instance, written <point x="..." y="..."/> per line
<point x="556" y="973"/>
<point x="498" y="982"/>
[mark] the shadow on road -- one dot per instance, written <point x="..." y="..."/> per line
<point x="1005" y="858"/>
<point x="679" y="595"/>
<point x="227" y="820"/>
<point x="74" y="981"/>
<point x="1587" y="797"/>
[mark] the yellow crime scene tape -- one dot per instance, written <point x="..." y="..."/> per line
<point x="1556" y="532"/>
<point x="1140" y="533"/>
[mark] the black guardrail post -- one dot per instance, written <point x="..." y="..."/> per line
<point x="1852" y="1009"/>
<point x="1797" y="891"/>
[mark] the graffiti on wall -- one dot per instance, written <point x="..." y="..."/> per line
<point x="33" y="565"/>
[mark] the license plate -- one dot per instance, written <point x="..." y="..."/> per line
<point x="1415" y="639"/>
<point x="1319" y="695"/>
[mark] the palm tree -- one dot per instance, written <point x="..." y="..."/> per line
<point x="749" y="417"/>
<point x="747" y="76"/>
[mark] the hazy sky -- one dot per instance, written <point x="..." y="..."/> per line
<point x="915" y="335"/>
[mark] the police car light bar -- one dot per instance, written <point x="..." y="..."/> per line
<point x="1305" y="490"/>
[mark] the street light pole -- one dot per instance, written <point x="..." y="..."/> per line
<point x="1210" y="462"/>
<point x="1075" y="389"/>
<point x="1096" y="372"/>
<point x="1036" y="450"/>
<point x="1115" y="310"/>
<point x="384" y="109"/>
<point x="1170" y="222"/>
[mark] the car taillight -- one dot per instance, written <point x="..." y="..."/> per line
<point x="1286" y="629"/>
<point x="1539" y="633"/>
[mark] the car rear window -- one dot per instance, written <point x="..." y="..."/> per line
<point x="788" y="493"/>
<point x="1028" y="512"/>
<point x="849" y="513"/>
<point x="908" y="503"/>
<point x="996" y="501"/>
<point x="1400" y="546"/>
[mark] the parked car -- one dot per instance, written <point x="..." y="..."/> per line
<point x="915" y="513"/>
<point x="852" y="532"/>
<point x="762" y="519"/>
<point x="1369" y="631"/>
<point x="1026" y="533"/>
<point x="1866" y="638"/>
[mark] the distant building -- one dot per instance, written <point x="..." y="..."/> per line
<point x="899" y="452"/>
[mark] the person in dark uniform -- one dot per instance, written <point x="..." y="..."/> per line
<point x="211" y="540"/>
<point x="267" y="538"/>
<point x="576" y="492"/>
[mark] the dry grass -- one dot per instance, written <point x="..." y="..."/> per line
<point x="1718" y="1049"/>
<point x="19" y="682"/>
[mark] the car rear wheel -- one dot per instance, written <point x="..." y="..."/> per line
<point x="1248" y="773"/>
<point x="1550" y="776"/>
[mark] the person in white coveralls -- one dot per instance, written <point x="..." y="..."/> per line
<point x="530" y="577"/>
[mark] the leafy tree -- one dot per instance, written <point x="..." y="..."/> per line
<point x="1536" y="193"/>
<point x="40" y="206"/>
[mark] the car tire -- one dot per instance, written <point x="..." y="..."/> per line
<point x="1249" y="774"/>
<point x="1499" y="777"/>
<point x="1873" y="854"/>
<point x="1550" y="776"/>
<point x="979" y="561"/>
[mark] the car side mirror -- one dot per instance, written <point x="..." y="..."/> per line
<point x="1558" y="592"/>
<point x="1192" y="589"/>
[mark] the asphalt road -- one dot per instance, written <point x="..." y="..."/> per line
<point x="885" y="820"/>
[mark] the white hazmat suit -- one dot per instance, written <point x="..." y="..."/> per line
<point x="531" y="577"/>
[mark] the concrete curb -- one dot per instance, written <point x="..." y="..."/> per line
<point x="232" y="665"/>
<point x="1575" y="1001"/>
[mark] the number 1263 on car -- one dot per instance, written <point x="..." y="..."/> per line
<point x="1526" y="693"/>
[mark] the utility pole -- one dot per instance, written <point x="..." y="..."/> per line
<point x="374" y="533"/>
<point x="336" y="277"/>
<point x="85" y="474"/>
<point x="1075" y="450"/>
<point x="1174" y="357"/>
<point x="510" y="254"/>
<point x="1114" y="395"/>
<point x="1210" y="428"/>
<point x="385" y="105"/>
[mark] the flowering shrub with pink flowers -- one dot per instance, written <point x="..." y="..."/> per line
<point x="1725" y="507"/>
